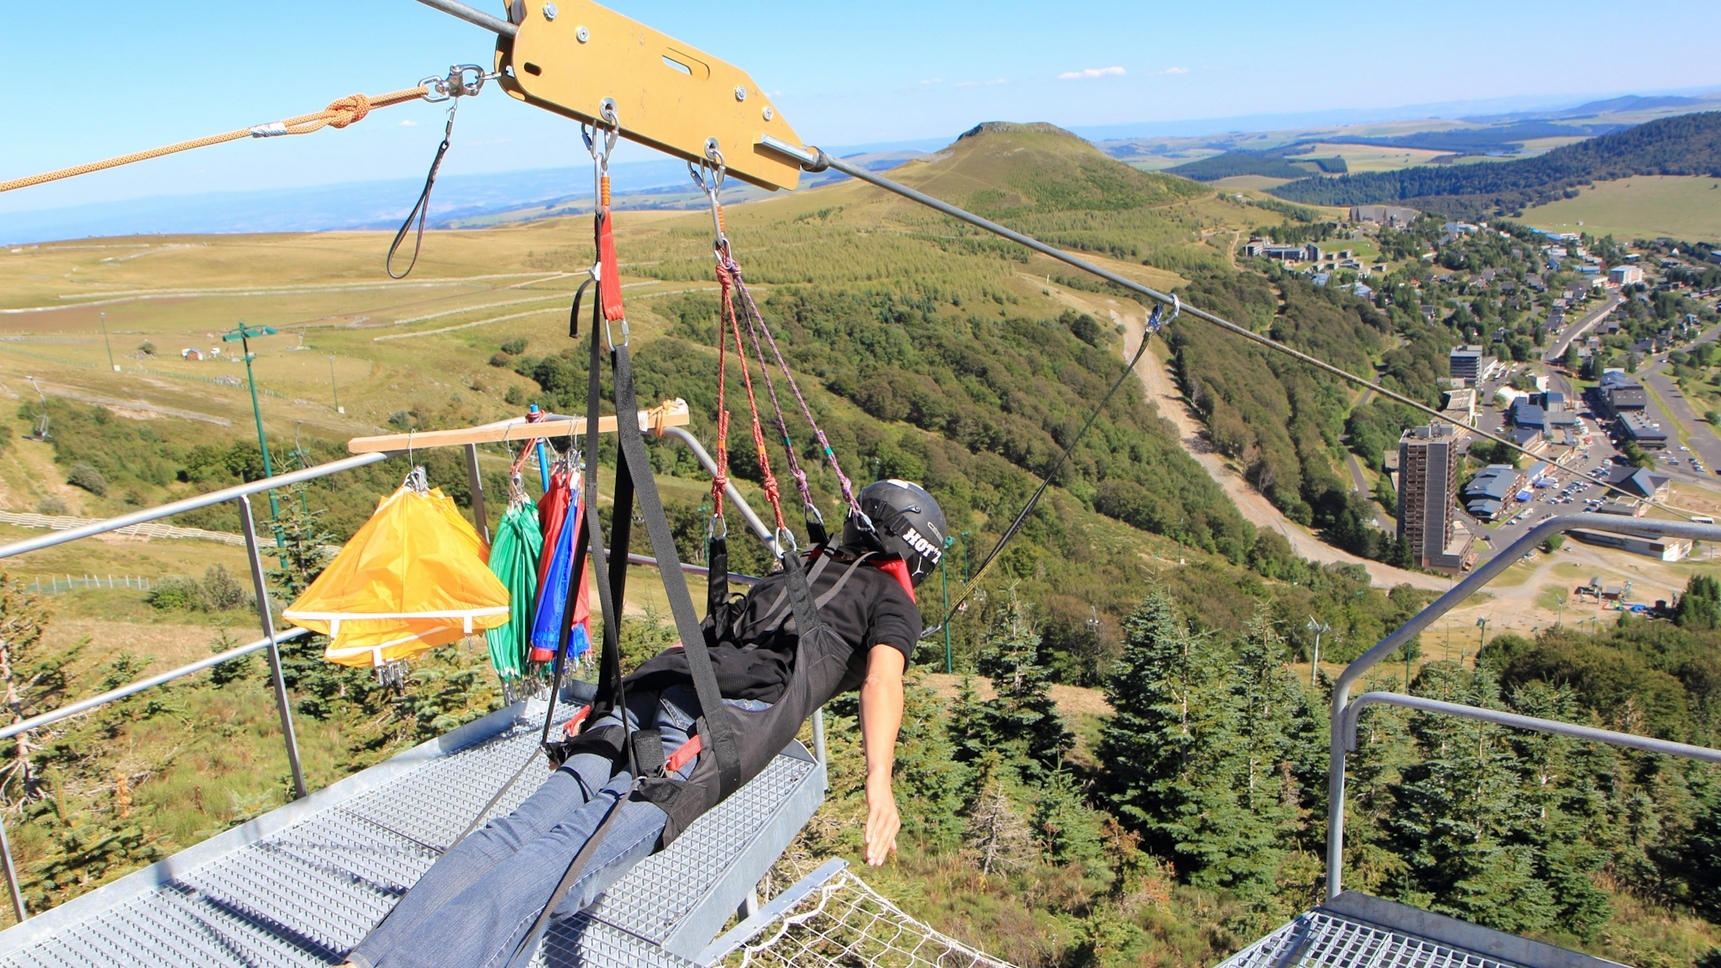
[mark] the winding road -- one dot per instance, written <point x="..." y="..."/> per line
<point x="1160" y="388"/>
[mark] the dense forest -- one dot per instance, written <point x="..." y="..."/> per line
<point x="1191" y="819"/>
<point x="1233" y="163"/>
<point x="1687" y="144"/>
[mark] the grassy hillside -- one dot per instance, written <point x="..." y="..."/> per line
<point x="1684" y="145"/>
<point x="1639" y="207"/>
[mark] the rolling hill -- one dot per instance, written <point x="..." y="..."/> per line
<point x="1688" y="144"/>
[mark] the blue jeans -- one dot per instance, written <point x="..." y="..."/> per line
<point x="476" y="903"/>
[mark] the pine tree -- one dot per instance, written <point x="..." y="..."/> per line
<point x="1560" y="812"/>
<point x="1022" y="721"/>
<point x="1456" y="815"/>
<point x="33" y="676"/>
<point x="1146" y="743"/>
<point x="1700" y="606"/>
<point x="1068" y="831"/>
<point x="323" y="688"/>
<point x="928" y="774"/>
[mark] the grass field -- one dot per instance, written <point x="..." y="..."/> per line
<point x="1643" y="206"/>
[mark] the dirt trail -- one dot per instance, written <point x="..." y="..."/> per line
<point x="1162" y="389"/>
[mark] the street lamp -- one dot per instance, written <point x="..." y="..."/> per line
<point x="1319" y="628"/>
<point x="242" y="334"/>
<point x="334" y="389"/>
<point x="1482" y="639"/>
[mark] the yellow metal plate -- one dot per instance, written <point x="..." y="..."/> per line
<point x="668" y="95"/>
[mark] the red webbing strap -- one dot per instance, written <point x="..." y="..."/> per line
<point x="609" y="277"/>
<point x="683" y="755"/>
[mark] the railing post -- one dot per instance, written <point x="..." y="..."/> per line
<point x="248" y="524"/>
<point x="819" y="737"/>
<point x="476" y="483"/>
<point x="12" y="872"/>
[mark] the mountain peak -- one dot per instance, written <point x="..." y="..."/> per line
<point x="1013" y="127"/>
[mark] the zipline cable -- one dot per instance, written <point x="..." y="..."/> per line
<point x="816" y="160"/>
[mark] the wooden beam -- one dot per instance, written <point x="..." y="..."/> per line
<point x="669" y="413"/>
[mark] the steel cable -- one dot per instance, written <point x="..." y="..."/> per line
<point x="826" y="161"/>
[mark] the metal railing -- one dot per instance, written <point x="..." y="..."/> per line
<point x="1345" y="711"/>
<point x="271" y="640"/>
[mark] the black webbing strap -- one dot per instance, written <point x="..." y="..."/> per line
<point x="420" y="209"/>
<point x="716" y="580"/>
<point x="720" y="728"/>
<point x="610" y="688"/>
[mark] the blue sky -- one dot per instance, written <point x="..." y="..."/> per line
<point x="102" y="77"/>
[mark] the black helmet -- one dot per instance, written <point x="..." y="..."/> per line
<point x="906" y="522"/>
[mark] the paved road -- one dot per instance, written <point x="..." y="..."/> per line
<point x="1359" y="482"/>
<point x="1557" y="352"/>
<point x="1704" y="441"/>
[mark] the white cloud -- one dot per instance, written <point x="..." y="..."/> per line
<point x="991" y="83"/>
<point x="1091" y="72"/>
<point x="409" y="123"/>
<point x="1173" y="70"/>
<point x="933" y="80"/>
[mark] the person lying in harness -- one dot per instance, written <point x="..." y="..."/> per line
<point x="479" y="901"/>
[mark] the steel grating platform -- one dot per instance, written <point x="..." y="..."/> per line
<point x="299" y="886"/>
<point x="1355" y="930"/>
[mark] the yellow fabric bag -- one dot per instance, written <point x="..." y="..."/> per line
<point x="414" y="577"/>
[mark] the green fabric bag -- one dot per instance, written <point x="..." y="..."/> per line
<point x="514" y="560"/>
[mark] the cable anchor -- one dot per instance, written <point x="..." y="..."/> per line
<point x="709" y="174"/>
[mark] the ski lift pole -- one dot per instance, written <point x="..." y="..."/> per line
<point x="242" y="334"/>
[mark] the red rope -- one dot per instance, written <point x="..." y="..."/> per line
<point x="772" y="493"/>
<point x="720" y="480"/>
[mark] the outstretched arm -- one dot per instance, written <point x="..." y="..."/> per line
<point x="880" y="721"/>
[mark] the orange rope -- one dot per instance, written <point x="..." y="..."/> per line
<point x="340" y="113"/>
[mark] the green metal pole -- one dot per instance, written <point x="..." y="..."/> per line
<point x="262" y="441"/>
<point x="944" y="580"/>
<point x="332" y="388"/>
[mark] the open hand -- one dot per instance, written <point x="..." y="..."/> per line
<point x="882" y="823"/>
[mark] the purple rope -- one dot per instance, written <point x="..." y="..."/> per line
<point x="756" y="318"/>
<point x="771" y="389"/>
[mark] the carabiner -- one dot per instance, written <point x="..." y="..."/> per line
<point x="787" y="547"/>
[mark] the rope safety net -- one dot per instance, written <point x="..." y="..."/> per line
<point x="846" y="924"/>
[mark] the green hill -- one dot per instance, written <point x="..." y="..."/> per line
<point x="1688" y="144"/>
<point x="1233" y="163"/>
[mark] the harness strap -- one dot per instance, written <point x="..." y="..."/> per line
<point x="779" y="612"/>
<point x="718" y="724"/>
<point x="609" y="275"/>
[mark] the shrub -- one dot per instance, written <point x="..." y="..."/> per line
<point x="52" y="505"/>
<point x="177" y="595"/>
<point x="515" y="395"/>
<point x="515" y="346"/>
<point x="146" y="348"/>
<point x="500" y="359"/>
<point x="222" y="591"/>
<point x="88" y="478"/>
